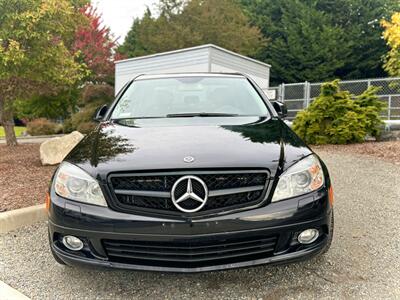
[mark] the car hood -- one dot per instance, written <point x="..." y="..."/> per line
<point x="213" y="142"/>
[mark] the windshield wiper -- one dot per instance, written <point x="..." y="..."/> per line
<point x="201" y="114"/>
<point x="133" y="118"/>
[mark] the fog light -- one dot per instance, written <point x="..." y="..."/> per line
<point x="72" y="243"/>
<point x="308" y="236"/>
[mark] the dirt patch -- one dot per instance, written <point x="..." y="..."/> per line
<point x="388" y="151"/>
<point x="23" y="180"/>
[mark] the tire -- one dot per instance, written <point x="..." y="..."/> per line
<point x="330" y="238"/>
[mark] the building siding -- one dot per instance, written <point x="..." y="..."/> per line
<point x="206" y="58"/>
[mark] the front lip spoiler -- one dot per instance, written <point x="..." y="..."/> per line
<point x="279" y="259"/>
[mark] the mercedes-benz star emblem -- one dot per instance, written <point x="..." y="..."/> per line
<point x="188" y="159"/>
<point x="189" y="194"/>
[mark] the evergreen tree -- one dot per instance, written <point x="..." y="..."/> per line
<point x="132" y="45"/>
<point x="343" y="36"/>
<point x="182" y="24"/>
<point x="360" y="20"/>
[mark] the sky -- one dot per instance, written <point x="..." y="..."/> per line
<point x="119" y="14"/>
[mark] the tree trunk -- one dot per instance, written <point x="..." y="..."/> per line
<point x="7" y="120"/>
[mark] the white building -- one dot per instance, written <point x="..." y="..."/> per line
<point x="205" y="58"/>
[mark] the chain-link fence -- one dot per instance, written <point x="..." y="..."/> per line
<point x="298" y="96"/>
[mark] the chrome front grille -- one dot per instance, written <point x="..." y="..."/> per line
<point x="152" y="192"/>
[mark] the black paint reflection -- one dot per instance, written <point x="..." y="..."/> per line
<point x="261" y="131"/>
<point x="162" y="143"/>
<point x="100" y="146"/>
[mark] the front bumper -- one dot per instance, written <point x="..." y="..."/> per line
<point x="209" y="243"/>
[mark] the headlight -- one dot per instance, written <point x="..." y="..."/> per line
<point x="73" y="183"/>
<point x="303" y="177"/>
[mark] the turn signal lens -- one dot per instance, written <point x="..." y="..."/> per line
<point x="47" y="201"/>
<point x="330" y="196"/>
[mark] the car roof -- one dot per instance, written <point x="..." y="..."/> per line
<point x="192" y="74"/>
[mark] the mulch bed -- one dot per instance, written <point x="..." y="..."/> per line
<point x="23" y="180"/>
<point x="388" y="151"/>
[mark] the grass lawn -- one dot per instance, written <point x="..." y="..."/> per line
<point x="18" y="130"/>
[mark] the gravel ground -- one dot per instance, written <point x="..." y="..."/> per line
<point x="23" y="180"/>
<point x="363" y="263"/>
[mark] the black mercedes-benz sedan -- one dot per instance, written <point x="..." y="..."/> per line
<point x="190" y="173"/>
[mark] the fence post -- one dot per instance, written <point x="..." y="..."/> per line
<point x="368" y="83"/>
<point x="306" y="94"/>
<point x="282" y="95"/>
<point x="279" y="92"/>
<point x="389" y="106"/>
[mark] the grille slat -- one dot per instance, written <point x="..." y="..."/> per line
<point x="189" y="253"/>
<point x="152" y="191"/>
<point x="184" y="247"/>
<point x="180" y="259"/>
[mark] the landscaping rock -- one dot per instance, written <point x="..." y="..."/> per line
<point x="53" y="151"/>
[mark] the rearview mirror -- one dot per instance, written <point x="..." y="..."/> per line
<point x="100" y="113"/>
<point x="280" y="108"/>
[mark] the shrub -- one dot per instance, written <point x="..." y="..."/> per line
<point x="67" y="126"/>
<point x="43" y="127"/>
<point x="373" y="106"/>
<point x="86" y="127"/>
<point x="97" y="94"/>
<point x="93" y="96"/>
<point x="82" y="117"/>
<point x="334" y="117"/>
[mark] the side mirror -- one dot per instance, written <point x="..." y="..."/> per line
<point x="100" y="113"/>
<point x="280" y="108"/>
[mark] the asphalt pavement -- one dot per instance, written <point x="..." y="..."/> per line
<point x="363" y="263"/>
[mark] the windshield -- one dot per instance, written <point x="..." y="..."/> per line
<point x="190" y="96"/>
